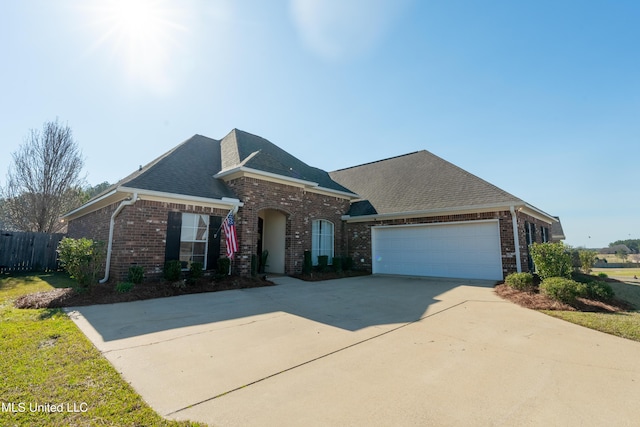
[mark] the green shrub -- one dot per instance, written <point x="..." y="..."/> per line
<point x="196" y="270"/>
<point x="82" y="258"/>
<point x="551" y="260"/>
<point x="337" y="264"/>
<point x="347" y="263"/>
<point x="124" y="287"/>
<point x="172" y="270"/>
<point x="323" y="262"/>
<point x="307" y="264"/>
<point x="520" y="281"/>
<point x="223" y="266"/>
<point x="135" y="274"/>
<point x="263" y="261"/>
<point x="563" y="289"/>
<point x="587" y="260"/>
<point x="254" y="265"/>
<point x="600" y="291"/>
<point x="602" y="275"/>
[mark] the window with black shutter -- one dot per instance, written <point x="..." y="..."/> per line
<point x="193" y="238"/>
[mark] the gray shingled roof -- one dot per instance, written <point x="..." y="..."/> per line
<point x="187" y="169"/>
<point x="417" y="182"/>
<point x="557" y="233"/>
<point x="241" y="148"/>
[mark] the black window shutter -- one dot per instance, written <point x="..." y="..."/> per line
<point x="174" y="227"/>
<point x="533" y="233"/>
<point x="213" y="249"/>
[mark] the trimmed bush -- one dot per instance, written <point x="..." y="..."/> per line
<point x="196" y="270"/>
<point x="172" y="270"/>
<point x="223" y="266"/>
<point x="337" y="264"/>
<point x="562" y="289"/>
<point x="520" y="281"/>
<point x="587" y="259"/>
<point x="135" y="274"/>
<point x="347" y="263"/>
<point x="323" y="262"/>
<point x="307" y="264"/>
<point x="551" y="260"/>
<point x="82" y="258"/>
<point x="600" y="291"/>
<point x="602" y="275"/>
<point x="124" y="287"/>
<point x="254" y="265"/>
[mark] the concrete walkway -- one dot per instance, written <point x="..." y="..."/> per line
<point x="371" y="350"/>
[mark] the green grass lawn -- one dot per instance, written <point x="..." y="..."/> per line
<point x="625" y="325"/>
<point x="620" y="273"/>
<point x="45" y="359"/>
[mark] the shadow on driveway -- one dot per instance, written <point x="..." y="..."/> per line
<point x="349" y="304"/>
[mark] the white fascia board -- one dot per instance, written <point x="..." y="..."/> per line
<point x="281" y="179"/>
<point x="225" y="202"/>
<point x="275" y="177"/>
<point x="91" y="205"/>
<point x="537" y="213"/>
<point x="433" y="212"/>
<point x="332" y="192"/>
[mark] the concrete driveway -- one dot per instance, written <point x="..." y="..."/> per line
<point x="371" y="350"/>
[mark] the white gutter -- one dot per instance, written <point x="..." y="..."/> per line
<point x="428" y="212"/>
<point x="516" y="239"/>
<point x="111" y="227"/>
<point x="228" y="201"/>
<point x="99" y="199"/>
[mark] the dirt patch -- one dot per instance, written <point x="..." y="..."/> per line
<point x="107" y="293"/>
<point x="538" y="301"/>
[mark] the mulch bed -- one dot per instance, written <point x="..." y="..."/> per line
<point x="317" y="276"/>
<point x="107" y="294"/>
<point x="538" y="301"/>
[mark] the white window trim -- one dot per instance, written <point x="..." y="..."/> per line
<point x="316" y="241"/>
<point x="196" y="218"/>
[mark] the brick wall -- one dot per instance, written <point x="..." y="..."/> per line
<point x="522" y="234"/>
<point x="139" y="236"/>
<point x="300" y="208"/>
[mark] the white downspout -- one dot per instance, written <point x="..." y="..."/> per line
<point x="112" y="224"/>
<point x="516" y="239"/>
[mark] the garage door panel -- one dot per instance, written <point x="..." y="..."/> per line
<point x="463" y="250"/>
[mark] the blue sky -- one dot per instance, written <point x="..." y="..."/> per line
<point x="541" y="98"/>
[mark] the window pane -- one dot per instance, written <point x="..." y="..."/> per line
<point x="203" y="225"/>
<point x="321" y="240"/>
<point x="194" y="234"/>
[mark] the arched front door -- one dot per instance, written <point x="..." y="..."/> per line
<point x="272" y="226"/>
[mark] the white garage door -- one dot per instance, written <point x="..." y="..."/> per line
<point x="468" y="250"/>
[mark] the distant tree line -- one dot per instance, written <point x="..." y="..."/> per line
<point x="632" y="244"/>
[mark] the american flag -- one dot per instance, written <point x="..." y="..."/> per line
<point x="229" y="227"/>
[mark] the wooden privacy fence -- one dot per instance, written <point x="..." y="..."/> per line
<point x="24" y="251"/>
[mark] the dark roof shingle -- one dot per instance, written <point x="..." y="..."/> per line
<point x="187" y="169"/>
<point x="418" y="181"/>
<point x="241" y="148"/>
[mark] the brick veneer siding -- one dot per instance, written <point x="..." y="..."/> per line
<point x="139" y="235"/>
<point x="299" y="206"/>
<point x="358" y="241"/>
<point x="522" y="233"/>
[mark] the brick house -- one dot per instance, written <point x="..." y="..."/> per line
<point x="414" y="214"/>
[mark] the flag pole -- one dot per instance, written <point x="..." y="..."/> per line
<point x="234" y="210"/>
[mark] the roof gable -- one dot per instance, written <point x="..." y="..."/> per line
<point x="242" y="149"/>
<point x="419" y="181"/>
<point x="187" y="169"/>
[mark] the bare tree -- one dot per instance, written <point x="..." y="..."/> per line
<point x="43" y="182"/>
